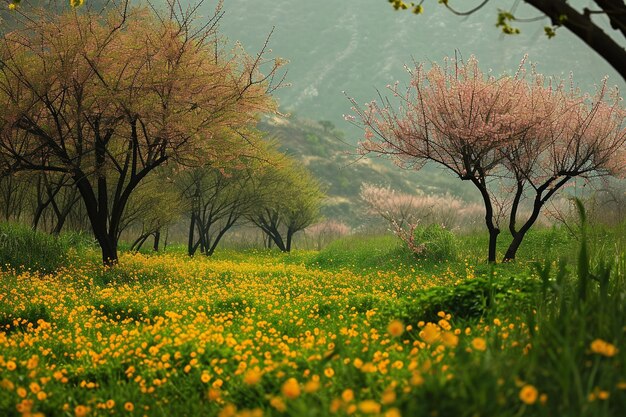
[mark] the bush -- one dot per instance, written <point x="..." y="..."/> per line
<point x="469" y="300"/>
<point x="439" y="243"/>
<point x="23" y="248"/>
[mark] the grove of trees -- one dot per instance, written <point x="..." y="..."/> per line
<point x="519" y="135"/>
<point x="101" y="109"/>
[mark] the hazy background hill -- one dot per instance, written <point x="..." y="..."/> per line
<point x="360" y="45"/>
<point x="323" y="149"/>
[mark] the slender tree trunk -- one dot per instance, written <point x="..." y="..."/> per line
<point x="157" y="238"/>
<point x="540" y="200"/>
<point x="143" y="240"/>
<point x="98" y="220"/>
<point x="289" y="239"/>
<point x="137" y="241"/>
<point x="494" y="231"/>
<point x="191" y="240"/>
<point x="493" y="240"/>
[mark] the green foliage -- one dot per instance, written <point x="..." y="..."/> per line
<point x="22" y="248"/>
<point x="439" y="243"/>
<point x="360" y="252"/>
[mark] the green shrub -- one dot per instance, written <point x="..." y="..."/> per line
<point x="439" y="243"/>
<point x="469" y="300"/>
<point x="22" y="248"/>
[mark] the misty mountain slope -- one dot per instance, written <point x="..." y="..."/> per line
<point x="359" y="46"/>
<point x="323" y="150"/>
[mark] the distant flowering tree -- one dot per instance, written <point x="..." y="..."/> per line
<point x="492" y="131"/>
<point x="403" y="209"/>
<point x="325" y="232"/>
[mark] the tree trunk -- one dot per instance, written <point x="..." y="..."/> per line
<point x="494" y="231"/>
<point x="190" y="242"/>
<point x="518" y="237"/>
<point x="493" y="240"/>
<point x="540" y="200"/>
<point x="141" y="242"/>
<point x="157" y="238"/>
<point x="289" y="239"/>
<point x="109" y="254"/>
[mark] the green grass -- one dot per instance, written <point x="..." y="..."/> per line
<point x="552" y="322"/>
<point x="24" y="249"/>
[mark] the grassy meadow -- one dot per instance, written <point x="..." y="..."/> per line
<point x="360" y="328"/>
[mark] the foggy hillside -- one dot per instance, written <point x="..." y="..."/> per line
<point x="359" y="46"/>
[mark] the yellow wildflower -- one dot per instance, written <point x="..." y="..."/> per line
<point x="291" y="388"/>
<point x="528" y="394"/>
<point x="479" y="343"/>
<point x="369" y="407"/>
<point x="395" y="328"/>
<point x="347" y="395"/>
<point x="601" y="347"/>
<point x="81" y="410"/>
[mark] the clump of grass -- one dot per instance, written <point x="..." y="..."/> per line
<point x="22" y="248"/>
<point x="360" y="252"/>
<point x="439" y="243"/>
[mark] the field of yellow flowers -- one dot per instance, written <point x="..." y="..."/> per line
<point x="165" y="335"/>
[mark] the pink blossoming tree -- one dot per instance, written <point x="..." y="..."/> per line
<point x="520" y="130"/>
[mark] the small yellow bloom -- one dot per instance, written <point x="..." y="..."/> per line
<point x="395" y="328"/>
<point x="278" y="404"/>
<point x="388" y="397"/>
<point x="369" y="407"/>
<point x="393" y="412"/>
<point x="603" y="395"/>
<point x="81" y="411"/>
<point x="252" y="376"/>
<point x="128" y="406"/>
<point x="291" y="388"/>
<point x="450" y="339"/>
<point x="41" y="395"/>
<point x="347" y="395"/>
<point x="205" y="377"/>
<point x="214" y="394"/>
<point x="430" y="333"/>
<point x="6" y="384"/>
<point x="311" y="386"/>
<point x="335" y="405"/>
<point x="11" y="366"/>
<point x="528" y="394"/>
<point x="229" y="410"/>
<point x="12" y="6"/>
<point x="329" y="372"/>
<point x="417" y="379"/>
<point x="479" y="343"/>
<point x="601" y="347"/>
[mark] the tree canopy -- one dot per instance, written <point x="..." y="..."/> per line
<point x="107" y="98"/>
<point x="526" y="134"/>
